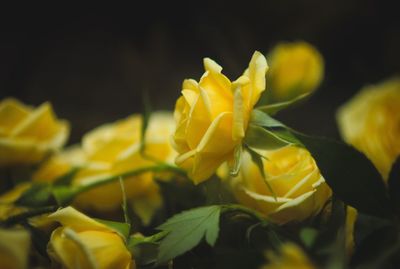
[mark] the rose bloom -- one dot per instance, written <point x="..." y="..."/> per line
<point x="14" y="248"/>
<point x="111" y="150"/>
<point x="295" y="68"/>
<point x="212" y="116"/>
<point x="7" y="200"/>
<point x="82" y="242"/>
<point x="370" y="122"/>
<point x="28" y="134"/>
<point x="290" y="257"/>
<point x="291" y="172"/>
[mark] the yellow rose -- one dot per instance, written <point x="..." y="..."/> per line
<point x="290" y="257"/>
<point x="111" y="150"/>
<point x="371" y="123"/>
<point x="82" y="242"/>
<point x="7" y="200"/>
<point x="296" y="68"/>
<point x="14" y="248"/>
<point x="212" y="116"/>
<point x="28" y="134"/>
<point x="351" y="218"/>
<point x="291" y="172"/>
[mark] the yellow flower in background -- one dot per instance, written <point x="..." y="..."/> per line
<point x="28" y="134"/>
<point x="370" y="122"/>
<point x="7" y="200"/>
<point x="351" y="218"/>
<point x="291" y="172"/>
<point x="14" y="248"/>
<point x="114" y="149"/>
<point x="212" y="116"/>
<point x="60" y="164"/>
<point x="295" y="69"/>
<point x="82" y="242"/>
<point x="290" y="257"/>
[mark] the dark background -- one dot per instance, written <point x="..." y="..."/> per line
<point x="93" y="63"/>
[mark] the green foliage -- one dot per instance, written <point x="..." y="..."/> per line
<point x="38" y="194"/>
<point x="348" y="172"/>
<point x="274" y="108"/>
<point x="187" y="229"/>
<point x="121" y="228"/>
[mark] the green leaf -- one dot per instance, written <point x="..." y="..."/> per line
<point x="350" y="174"/>
<point x="187" y="229"/>
<point x="261" y="118"/>
<point x="39" y="194"/>
<point x="121" y="228"/>
<point x="261" y="138"/>
<point x="394" y="186"/>
<point x="273" y="108"/>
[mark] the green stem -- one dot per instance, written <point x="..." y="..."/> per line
<point x="28" y="214"/>
<point x="235" y="207"/>
<point x="153" y="168"/>
<point x="66" y="194"/>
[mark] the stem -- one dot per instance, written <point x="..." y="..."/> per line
<point x="29" y="214"/>
<point x="153" y="168"/>
<point x="251" y="212"/>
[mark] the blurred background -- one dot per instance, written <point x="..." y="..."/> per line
<point x="93" y="63"/>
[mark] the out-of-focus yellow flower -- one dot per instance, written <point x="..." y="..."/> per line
<point x="212" y="116"/>
<point x="28" y="134"/>
<point x="290" y="257"/>
<point x="14" y="248"/>
<point x="296" y="68"/>
<point x="351" y="217"/>
<point x="82" y="242"/>
<point x="370" y="122"/>
<point x="60" y="164"/>
<point x="111" y="150"/>
<point x="7" y="206"/>
<point x="294" y="177"/>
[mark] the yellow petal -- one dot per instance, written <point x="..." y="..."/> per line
<point x="76" y="220"/>
<point x="147" y="204"/>
<point x="14" y="249"/>
<point x="12" y="112"/>
<point x="256" y="72"/>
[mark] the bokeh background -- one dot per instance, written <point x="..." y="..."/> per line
<point x="93" y="63"/>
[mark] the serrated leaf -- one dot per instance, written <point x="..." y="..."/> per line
<point x="187" y="229"/>
<point x="121" y="228"/>
<point x="38" y="194"/>
<point x="272" y="109"/>
<point x="394" y="186"/>
<point x="261" y="138"/>
<point x="350" y="174"/>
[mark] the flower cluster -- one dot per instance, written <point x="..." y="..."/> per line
<point x="144" y="191"/>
